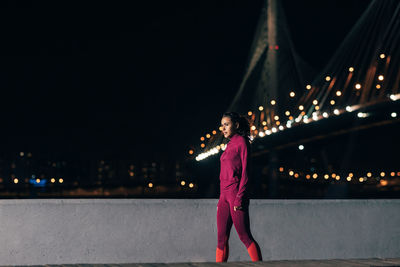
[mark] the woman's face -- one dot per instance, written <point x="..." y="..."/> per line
<point x="228" y="129"/>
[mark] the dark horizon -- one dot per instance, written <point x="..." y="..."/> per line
<point x="123" y="80"/>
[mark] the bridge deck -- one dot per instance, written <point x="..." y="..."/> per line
<point x="284" y="263"/>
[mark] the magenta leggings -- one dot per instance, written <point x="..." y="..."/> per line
<point x="226" y="215"/>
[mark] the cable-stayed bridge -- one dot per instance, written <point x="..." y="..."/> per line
<point x="288" y="105"/>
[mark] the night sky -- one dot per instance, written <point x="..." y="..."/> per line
<point x="128" y="80"/>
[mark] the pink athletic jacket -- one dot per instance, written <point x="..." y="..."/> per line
<point x="233" y="175"/>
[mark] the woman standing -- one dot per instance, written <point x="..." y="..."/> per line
<point x="233" y="201"/>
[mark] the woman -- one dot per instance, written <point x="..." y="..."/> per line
<point x="233" y="201"/>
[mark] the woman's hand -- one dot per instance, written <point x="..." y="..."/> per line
<point x="235" y="208"/>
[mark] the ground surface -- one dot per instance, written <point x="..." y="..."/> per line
<point x="285" y="263"/>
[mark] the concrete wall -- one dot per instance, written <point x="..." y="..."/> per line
<point x="58" y="231"/>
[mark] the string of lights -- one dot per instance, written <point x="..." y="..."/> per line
<point x="354" y="176"/>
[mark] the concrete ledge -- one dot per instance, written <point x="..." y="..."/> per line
<point x="70" y="231"/>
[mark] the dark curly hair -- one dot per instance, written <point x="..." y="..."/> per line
<point x="244" y="126"/>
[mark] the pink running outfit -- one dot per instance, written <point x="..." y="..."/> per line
<point x="233" y="182"/>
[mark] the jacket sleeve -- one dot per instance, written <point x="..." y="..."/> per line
<point x="243" y="153"/>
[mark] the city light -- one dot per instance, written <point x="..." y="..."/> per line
<point x="308" y="87"/>
<point x="327" y="78"/>
<point x="260" y="108"/>
<point x="191" y="185"/>
<point x="351" y="69"/>
<point x="394" y="97"/>
<point x="273" y="102"/>
<point x="362" y="115"/>
<point x="301" y="147"/>
<point x="358" y="86"/>
<point x="380" y="77"/>
<point x="393" y="114"/>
